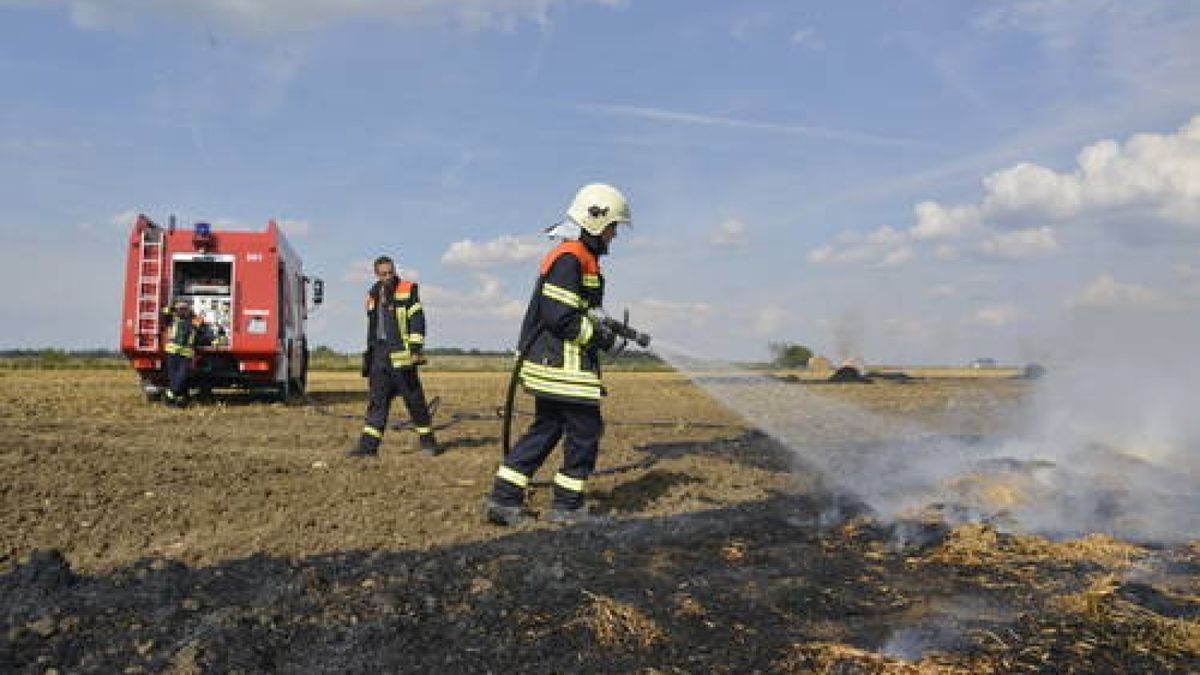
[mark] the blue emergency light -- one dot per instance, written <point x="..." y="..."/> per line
<point x="203" y="230"/>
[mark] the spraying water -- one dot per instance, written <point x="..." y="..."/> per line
<point x="1112" y="448"/>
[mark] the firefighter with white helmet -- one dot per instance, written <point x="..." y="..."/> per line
<point x="560" y="346"/>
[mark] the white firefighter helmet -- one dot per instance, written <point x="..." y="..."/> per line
<point x="596" y="206"/>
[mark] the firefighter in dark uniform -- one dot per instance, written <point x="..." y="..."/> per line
<point x="560" y="344"/>
<point x="395" y="341"/>
<point x="185" y="332"/>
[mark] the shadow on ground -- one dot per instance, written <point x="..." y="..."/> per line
<point x="750" y="588"/>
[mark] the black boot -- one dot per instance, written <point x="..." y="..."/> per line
<point x="505" y="515"/>
<point x="429" y="445"/>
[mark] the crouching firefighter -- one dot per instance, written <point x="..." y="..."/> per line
<point x="559" y="351"/>
<point x="395" y="341"/>
<point x="185" y="332"/>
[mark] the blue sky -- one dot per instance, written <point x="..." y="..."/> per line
<point x="908" y="181"/>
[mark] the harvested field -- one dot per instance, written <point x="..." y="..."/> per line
<point x="234" y="536"/>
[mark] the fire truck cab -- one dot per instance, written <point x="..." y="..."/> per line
<point x="249" y="287"/>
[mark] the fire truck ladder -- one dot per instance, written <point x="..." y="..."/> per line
<point x="150" y="273"/>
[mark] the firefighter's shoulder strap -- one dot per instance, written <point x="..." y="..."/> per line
<point x="587" y="259"/>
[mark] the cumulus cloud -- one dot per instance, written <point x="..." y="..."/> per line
<point x="271" y="16"/>
<point x="486" y="300"/>
<point x="1105" y="292"/>
<point x="1154" y="178"/>
<point x="935" y="221"/>
<point x="732" y="232"/>
<point x="504" y="250"/>
<point x="883" y="247"/>
<point x="1148" y="186"/>
<point x="1020" y="244"/>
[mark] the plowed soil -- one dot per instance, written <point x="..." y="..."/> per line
<point x="235" y="537"/>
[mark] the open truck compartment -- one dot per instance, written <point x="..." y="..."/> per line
<point x="249" y="287"/>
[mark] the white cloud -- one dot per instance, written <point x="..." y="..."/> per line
<point x="271" y="16"/>
<point x="883" y="247"/>
<point x="732" y="232"/>
<point x="994" y="316"/>
<point x="1148" y="186"/>
<point x="1150" y="179"/>
<point x="486" y="300"/>
<point x="807" y="37"/>
<point x="504" y="250"/>
<point x="1021" y="244"/>
<point x="1105" y="292"/>
<point x="935" y="221"/>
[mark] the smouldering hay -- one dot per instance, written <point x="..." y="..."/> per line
<point x="828" y="658"/>
<point x="981" y="545"/>
<point x="1097" y="627"/>
<point x="616" y="624"/>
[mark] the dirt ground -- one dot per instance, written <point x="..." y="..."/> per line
<point x="236" y="537"/>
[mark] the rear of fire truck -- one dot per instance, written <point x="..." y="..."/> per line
<point x="248" y="287"/>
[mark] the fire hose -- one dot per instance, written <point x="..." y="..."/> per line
<point x="624" y="334"/>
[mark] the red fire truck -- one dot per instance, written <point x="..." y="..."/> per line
<point x="248" y="286"/>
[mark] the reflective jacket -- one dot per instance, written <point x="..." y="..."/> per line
<point x="561" y="360"/>
<point x="400" y="327"/>
<point x="184" y="334"/>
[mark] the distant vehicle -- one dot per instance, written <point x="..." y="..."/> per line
<point x="984" y="363"/>
<point x="249" y="287"/>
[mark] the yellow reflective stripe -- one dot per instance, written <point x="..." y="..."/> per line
<point x="573" y="484"/>
<point x="560" y="388"/>
<point x="512" y="476"/>
<point x="180" y="350"/>
<point x="570" y="357"/>
<point x="416" y="307"/>
<point x="424" y="430"/>
<point x="591" y="280"/>
<point x="400" y="358"/>
<point x="372" y="431"/>
<point x="567" y="377"/>
<point x="585" y="331"/>
<point x="416" y="338"/>
<point x="562" y="295"/>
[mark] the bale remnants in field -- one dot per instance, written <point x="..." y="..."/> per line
<point x="616" y="624"/>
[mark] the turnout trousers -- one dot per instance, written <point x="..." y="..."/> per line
<point x="386" y="383"/>
<point x="179" y="369"/>
<point x="583" y="427"/>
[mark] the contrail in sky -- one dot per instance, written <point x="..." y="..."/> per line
<point x="677" y="117"/>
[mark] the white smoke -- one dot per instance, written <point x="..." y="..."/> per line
<point x="1110" y="441"/>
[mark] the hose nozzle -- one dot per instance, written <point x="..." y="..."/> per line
<point x="623" y="330"/>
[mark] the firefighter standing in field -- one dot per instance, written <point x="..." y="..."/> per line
<point x="185" y="332"/>
<point x="395" y="341"/>
<point x="560" y="344"/>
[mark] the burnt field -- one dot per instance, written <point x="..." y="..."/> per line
<point x="235" y="537"/>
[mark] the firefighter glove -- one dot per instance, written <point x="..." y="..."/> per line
<point x="606" y="339"/>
